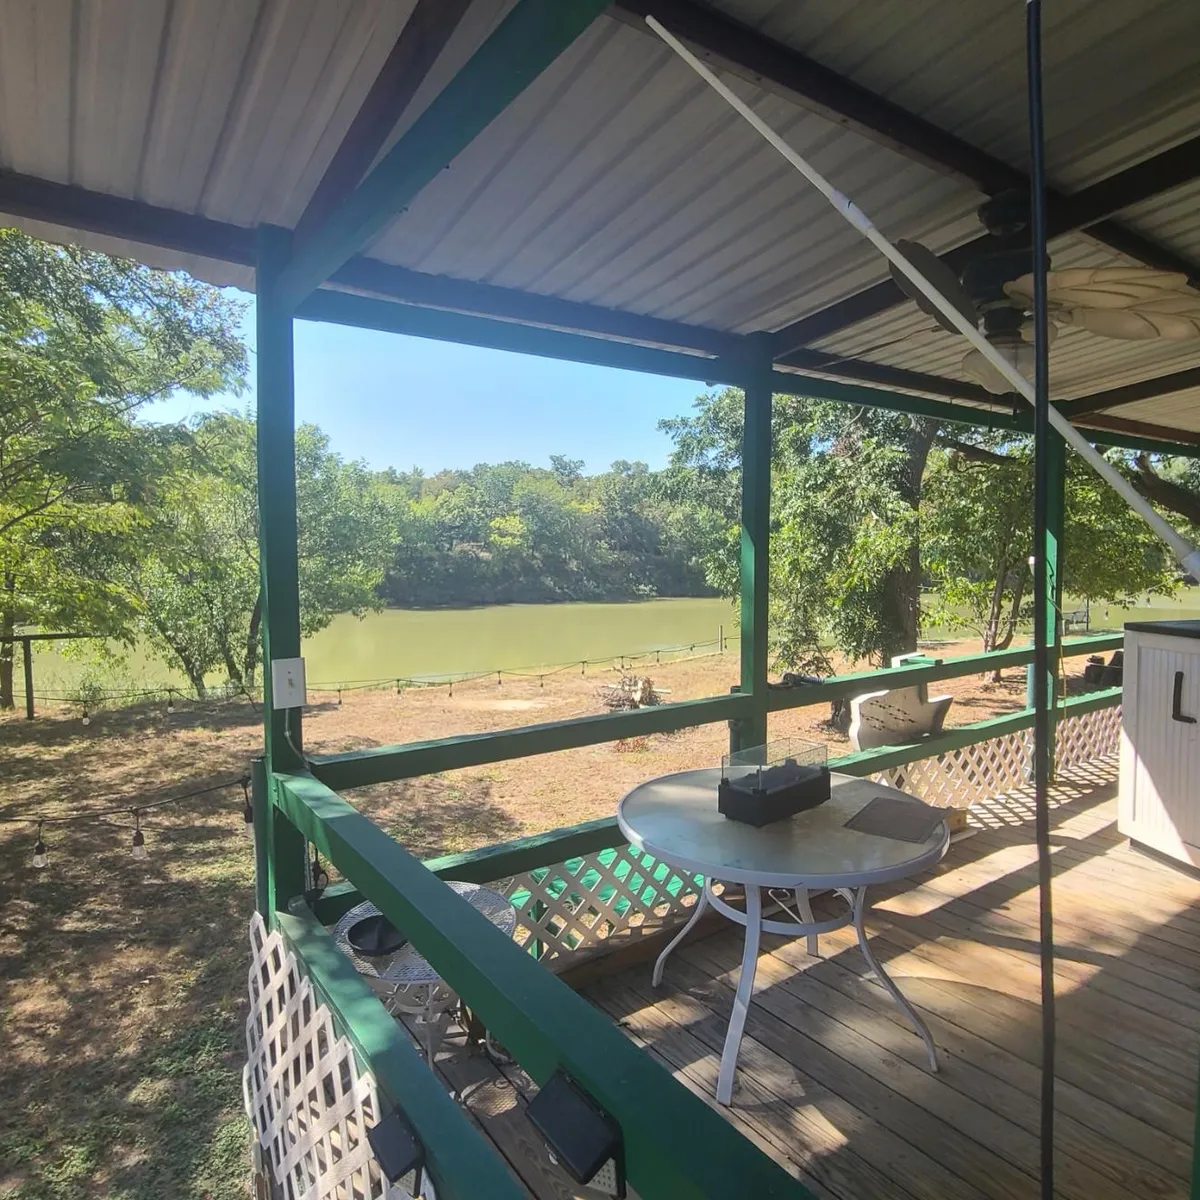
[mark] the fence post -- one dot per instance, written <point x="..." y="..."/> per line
<point x="27" y="648"/>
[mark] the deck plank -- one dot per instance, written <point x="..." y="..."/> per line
<point x="833" y="1080"/>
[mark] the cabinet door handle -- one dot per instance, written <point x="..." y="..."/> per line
<point x="1177" y="701"/>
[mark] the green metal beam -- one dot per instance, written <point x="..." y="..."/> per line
<point x="1056" y="514"/>
<point x="674" y="1144"/>
<point x="414" y="320"/>
<point x="384" y="764"/>
<point x="276" y="449"/>
<point x="363" y="312"/>
<point x="511" y="858"/>
<point x="841" y="687"/>
<point x="460" y="1159"/>
<point x="523" y="45"/>
<point x="282" y="850"/>
<point x="751" y="730"/>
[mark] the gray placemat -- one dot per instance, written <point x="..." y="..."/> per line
<point x="900" y="820"/>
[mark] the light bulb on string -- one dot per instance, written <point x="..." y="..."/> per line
<point x="139" y="838"/>
<point x="170" y="703"/>
<point x="39" y="851"/>
<point x="86" y="719"/>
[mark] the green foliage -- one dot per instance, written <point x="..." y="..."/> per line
<point x="197" y="580"/>
<point x="510" y="532"/>
<point x="85" y="341"/>
<point x="843" y="519"/>
<point x="978" y="535"/>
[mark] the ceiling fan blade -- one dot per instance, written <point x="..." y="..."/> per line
<point x="1133" y="324"/>
<point x="941" y="276"/>
<point x="1102" y="287"/>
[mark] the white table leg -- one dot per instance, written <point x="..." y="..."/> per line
<point x="860" y="897"/>
<point x="804" y="908"/>
<point x="741" y="1000"/>
<point x="697" y="912"/>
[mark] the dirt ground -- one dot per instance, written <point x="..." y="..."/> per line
<point x="122" y="983"/>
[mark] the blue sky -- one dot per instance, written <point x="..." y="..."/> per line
<point x="404" y="402"/>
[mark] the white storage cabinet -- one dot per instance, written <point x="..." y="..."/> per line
<point x="1159" y="801"/>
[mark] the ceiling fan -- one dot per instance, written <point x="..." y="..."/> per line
<point x="994" y="290"/>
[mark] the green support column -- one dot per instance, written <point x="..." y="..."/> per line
<point x="1056" y="465"/>
<point x="284" y="847"/>
<point x="756" y="529"/>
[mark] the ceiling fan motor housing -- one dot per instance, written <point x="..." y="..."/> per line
<point x="1007" y="254"/>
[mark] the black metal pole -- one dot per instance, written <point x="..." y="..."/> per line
<point x="1043" y="693"/>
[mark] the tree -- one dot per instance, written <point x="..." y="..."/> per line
<point x="198" y="581"/>
<point x="977" y="528"/>
<point x="85" y="341"/>
<point x="845" y="548"/>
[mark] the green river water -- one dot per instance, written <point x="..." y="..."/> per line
<point x="412" y="643"/>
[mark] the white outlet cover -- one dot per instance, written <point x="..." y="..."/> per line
<point x="288" y="686"/>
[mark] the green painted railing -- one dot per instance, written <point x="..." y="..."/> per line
<point x="385" y="764"/>
<point x="674" y="1144"/>
<point x="926" y="669"/>
<point x="461" y="1161"/>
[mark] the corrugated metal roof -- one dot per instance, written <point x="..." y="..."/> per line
<point x="226" y="108"/>
<point x="617" y="178"/>
<point x="1121" y="80"/>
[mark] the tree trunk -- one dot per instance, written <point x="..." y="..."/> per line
<point x="252" y="641"/>
<point x="231" y="666"/>
<point x="8" y="650"/>
<point x="1172" y="496"/>
<point x="991" y="631"/>
<point x="197" y="681"/>
<point x="902" y="587"/>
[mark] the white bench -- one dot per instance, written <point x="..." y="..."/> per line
<point x="898" y="716"/>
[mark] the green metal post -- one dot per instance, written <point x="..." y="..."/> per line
<point x="27" y="650"/>
<point x="1056" y="468"/>
<point x="279" y="570"/>
<point x="756" y="529"/>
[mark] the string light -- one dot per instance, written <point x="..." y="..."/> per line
<point x="170" y="703"/>
<point x="86" y="719"/>
<point x="139" y="838"/>
<point x="40" y="859"/>
<point x="39" y="851"/>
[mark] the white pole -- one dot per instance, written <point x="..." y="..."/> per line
<point x="1187" y="554"/>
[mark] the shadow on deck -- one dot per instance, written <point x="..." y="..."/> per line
<point x="832" y="1079"/>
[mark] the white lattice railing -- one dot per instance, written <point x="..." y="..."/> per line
<point x="309" y="1105"/>
<point x="591" y="904"/>
<point x="960" y="778"/>
<point x="586" y="904"/>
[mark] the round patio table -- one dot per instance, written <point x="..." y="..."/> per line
<point x="675" y="819"/>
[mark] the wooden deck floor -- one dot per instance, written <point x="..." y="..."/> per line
<point x="832" y="1079"/>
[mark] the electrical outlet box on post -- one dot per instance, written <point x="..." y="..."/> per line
<point x="288" y="689"/>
